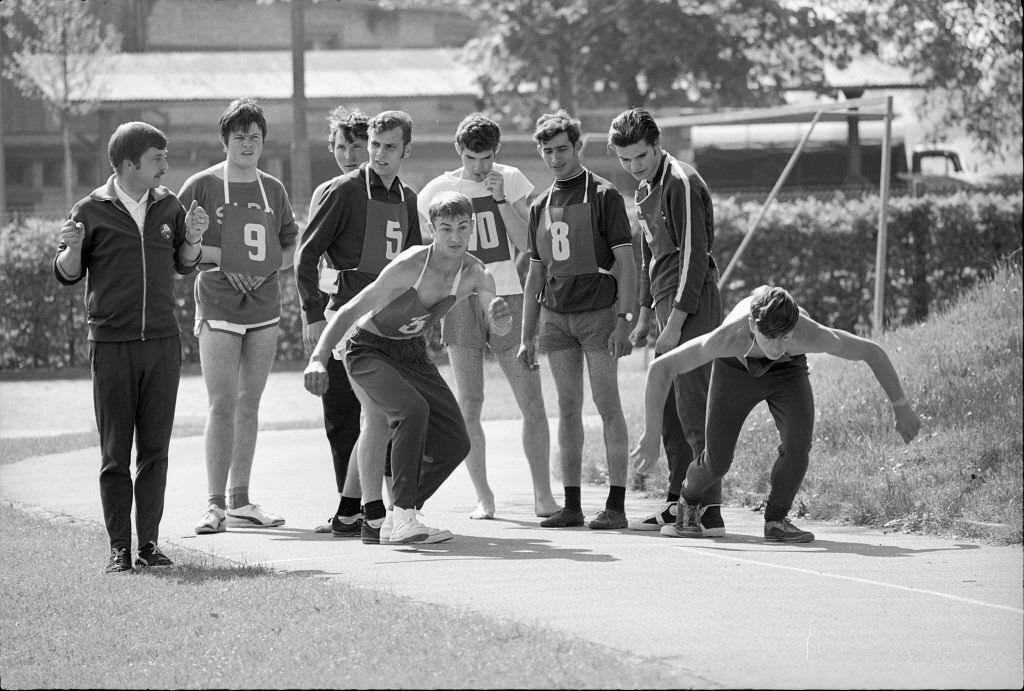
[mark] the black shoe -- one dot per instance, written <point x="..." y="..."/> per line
<point x="564" y="518"/>
<point x="784" y="531"/>
<point x="711" y="522"/>
<point x="150" y="555"/>
<point x="120" y="560"/>
<point x="341" y="528"/>
<point x="370" y="533"/>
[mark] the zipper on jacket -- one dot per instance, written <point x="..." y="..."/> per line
<point x="142" y="247"/>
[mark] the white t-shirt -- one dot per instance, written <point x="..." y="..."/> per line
<point x="517" y="186"/>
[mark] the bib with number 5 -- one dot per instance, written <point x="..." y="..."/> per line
<point x="384" y="237"/>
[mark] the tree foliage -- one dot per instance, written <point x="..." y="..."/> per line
<point x="538" y="54"/>
<point x="58" y="49"/>
<point x="967" y="53"/>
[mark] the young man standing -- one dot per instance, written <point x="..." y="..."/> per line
<point x="759" y="354"/>
<point x="679" y="280"/>
<point x="578" y="300"/>
<point x="238" y="309"/>
<point x="347" y="142"/>
<point x="364" y="219"/>
<point x="126" y="238"/>
<point x="501" y="196"/>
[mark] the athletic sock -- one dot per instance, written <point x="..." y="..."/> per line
<point x="218" y="500"/>
<point x="374" y="510"/>
<point x="348" y="506"/>
<point x="672" y="498"/>
<point x="572" y="499"/>
<point x="238" y="497"/>
<point x="616" y="500"/>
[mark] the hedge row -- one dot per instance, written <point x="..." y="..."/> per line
<point x="823" y="251"/>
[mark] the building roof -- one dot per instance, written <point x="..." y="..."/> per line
<point x="267" y="75"/>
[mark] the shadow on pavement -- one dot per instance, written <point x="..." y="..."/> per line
<point x="824" y="546"/>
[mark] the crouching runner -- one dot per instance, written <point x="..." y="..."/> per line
<point x="395" y="379"/>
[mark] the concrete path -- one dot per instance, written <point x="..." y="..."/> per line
<point x="857" y="608"/>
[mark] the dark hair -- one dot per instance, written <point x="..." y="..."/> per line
<point x="239" y="115"/>
<point x="130" y="140"/>
<point x="551" y="125"/>
<point x="773" y="310"/>
<point x="351" y="125"/>
<point x="449" y="205"/>
<point x="632" y="126"/>
<point x="390" y="119"/>
<point x="477" y="133"/>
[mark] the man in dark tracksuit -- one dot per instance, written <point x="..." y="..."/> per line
<point x="680" y="280"/>
<point x="125" y="238"/>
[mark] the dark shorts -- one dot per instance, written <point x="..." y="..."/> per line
<point x="588" y="330"/>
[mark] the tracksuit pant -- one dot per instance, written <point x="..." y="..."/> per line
<point x="429" y="438"/>
<point x="135" y="389"/>
<point x="685" y="407"/>
<point x="733" y="393"/>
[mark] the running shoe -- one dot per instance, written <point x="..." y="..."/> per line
<point x="212" y="521"/>
<point x="252" y="516"/>
<point x="785" y="531"/>
<point x="666" y="516"/>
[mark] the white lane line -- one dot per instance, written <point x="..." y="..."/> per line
<point x="868" y="581"/>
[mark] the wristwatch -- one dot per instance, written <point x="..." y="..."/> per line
<point x="628" y="316"/>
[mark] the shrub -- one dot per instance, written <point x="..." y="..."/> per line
<point x="822" y="250"/>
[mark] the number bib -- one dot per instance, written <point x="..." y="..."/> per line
<point x="489" y="241"/>
<point x="565" y="241"/>
<point x="248" y="245"/>
<point x="385" y="233"/>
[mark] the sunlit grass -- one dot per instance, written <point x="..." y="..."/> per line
<point x="208" y="623"/>
<point x="962" y="370"/>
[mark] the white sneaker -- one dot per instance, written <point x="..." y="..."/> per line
<point x="252" y="516"/>
<point x="406" y="527"/>
<point x="211" y="522"/>
<point x="434" y="535"/>
<point x="666" y="515"/>
<point x="387" y="527"/>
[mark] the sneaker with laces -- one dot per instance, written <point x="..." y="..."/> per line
<point x="656" y="520"/>
<point x="711" y="522"/>
<point x="212" y="521"/>
<point x="150" y="556"/>
<point x="434" y="535"/>
<point x="120" y="560"/>
<point x="785" y="531"/>
<point x="564" y="518"/>
<point x="407" y="527"/>
<point x="609" y="519"/>
<point x="347" y="526"/>
<point x="252" y="516"/>
<point x="686" y="524"/>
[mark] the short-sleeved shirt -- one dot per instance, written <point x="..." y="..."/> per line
<point x="216" y="298"/>
<point x="336" y="228"/>
<point x="489" y="231"/>
<point x="595" y="289"/>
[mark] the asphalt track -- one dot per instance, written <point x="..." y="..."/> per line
<point x="856" y="608"/>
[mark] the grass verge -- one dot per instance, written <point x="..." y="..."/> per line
<point x="961" y="477"/>
<point x="208" y="623"/>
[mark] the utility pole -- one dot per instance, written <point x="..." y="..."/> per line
<point x="301" y="176"/>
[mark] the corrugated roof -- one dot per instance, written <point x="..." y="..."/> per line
<point x="267" y="75"/>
